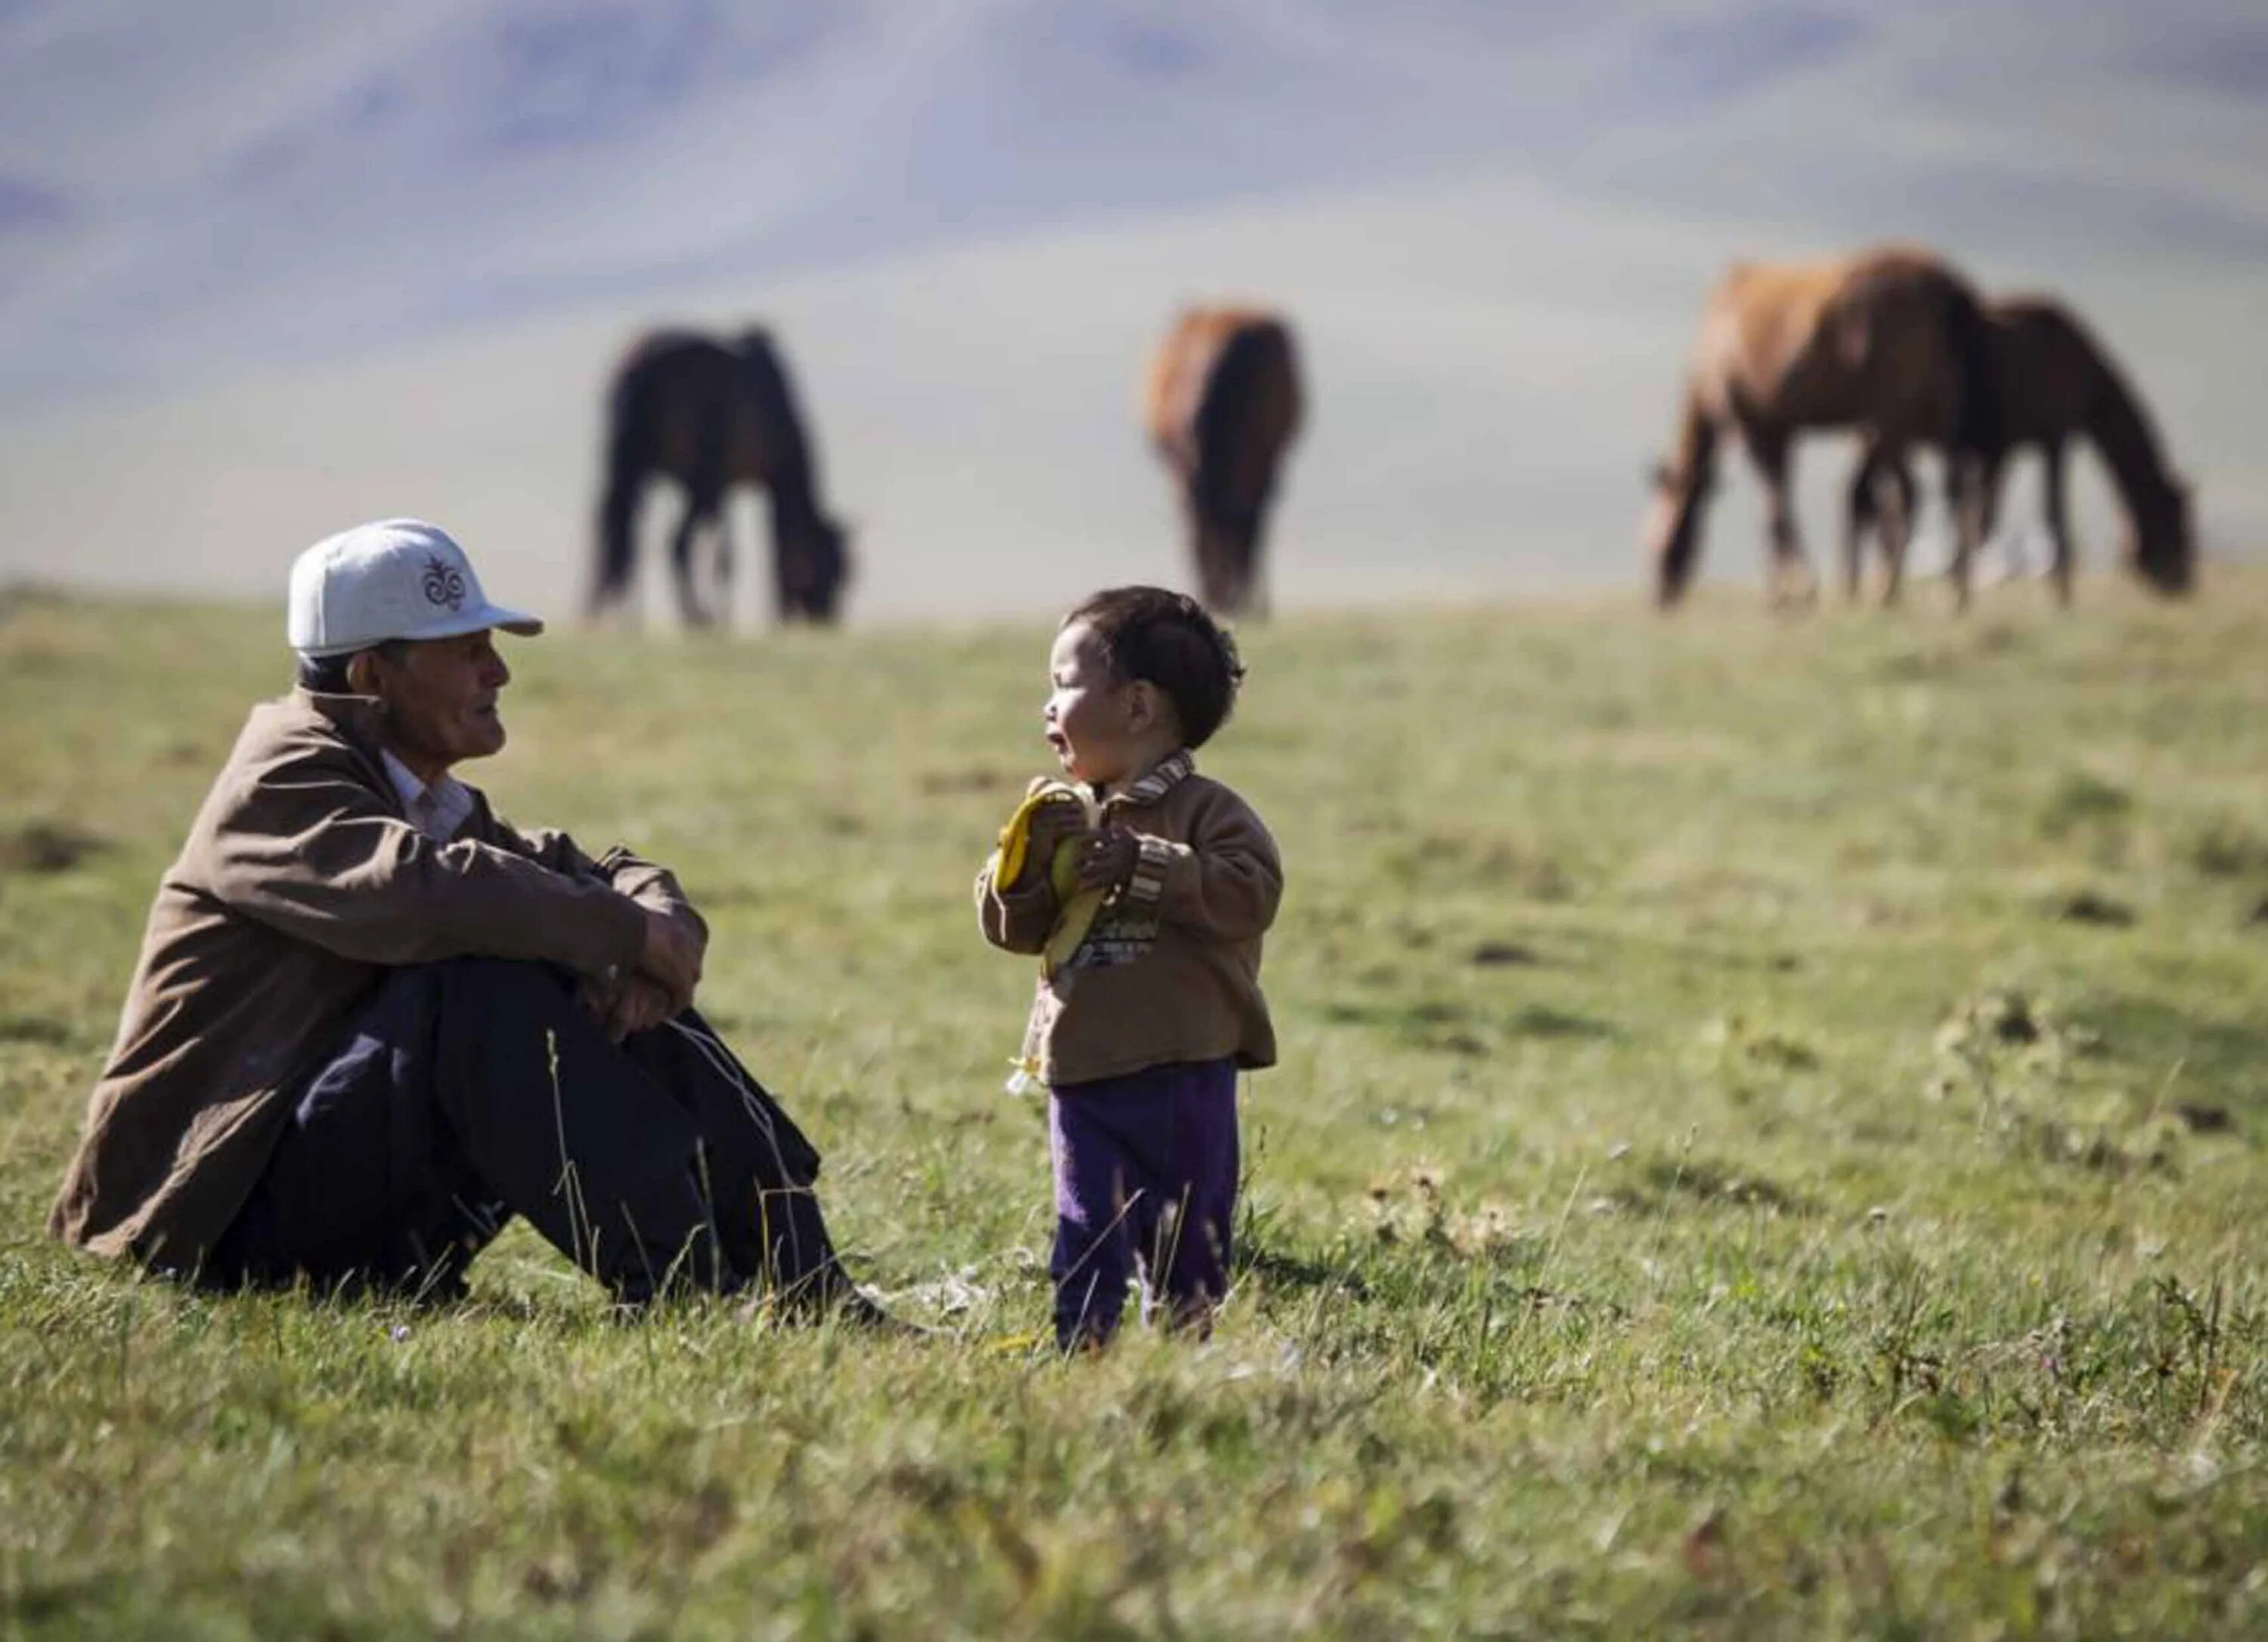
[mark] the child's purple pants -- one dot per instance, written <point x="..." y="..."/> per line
<point x="1145" y="1181"/>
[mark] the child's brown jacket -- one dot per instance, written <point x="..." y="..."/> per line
<point x="1171" y="970"/>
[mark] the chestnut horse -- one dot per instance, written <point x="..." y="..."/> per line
<point x="711" y="414"/>
<point x="1221" y="404"/>
<point x="2053" y="382"/>
<point x="1889" y="342"/>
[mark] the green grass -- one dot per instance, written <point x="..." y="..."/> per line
<point x="1769" y="1141"/>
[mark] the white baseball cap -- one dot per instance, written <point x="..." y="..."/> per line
<point x="397" y="579"/>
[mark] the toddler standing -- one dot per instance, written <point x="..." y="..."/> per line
<point x="1139" y="1032"/>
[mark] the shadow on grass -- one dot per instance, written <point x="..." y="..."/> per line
<point x="1538" y="1020"/>
<point x="1462" y="1028"/>
<point x="41" y="1030"/>
<point x="1397" y="1274"/>
<point x="44" y="846"/>
<point x="2224" y="1057"/>
<point x="2091" y="905"/>
<point x="1285" y="1272"/>
<point x="1702" y="1183"/>
<point x="1471" y="863"/>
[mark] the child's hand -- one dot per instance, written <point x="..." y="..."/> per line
<point x="1108" y="856"/>
<point x="1050" y="826"/>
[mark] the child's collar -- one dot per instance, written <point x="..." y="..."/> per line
<point x="1159" y="779"/>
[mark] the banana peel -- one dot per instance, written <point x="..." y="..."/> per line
<point x="1077" y="906"/>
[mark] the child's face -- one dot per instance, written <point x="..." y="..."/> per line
<point x="1094" y="722"/>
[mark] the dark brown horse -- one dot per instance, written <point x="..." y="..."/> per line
<point x="2053" y="383"/>
<point x="712" y="413"/>
<point x="1221" y="405"/>
<point x="1889" y="342"/>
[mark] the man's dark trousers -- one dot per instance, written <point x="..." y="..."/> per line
<point x="476" y="1089"/>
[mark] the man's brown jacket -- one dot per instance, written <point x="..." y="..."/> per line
<point x="301" y="883"/>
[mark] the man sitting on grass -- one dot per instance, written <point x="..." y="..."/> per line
<point x="371" y="1021"/>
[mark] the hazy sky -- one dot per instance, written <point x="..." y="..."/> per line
<point x="267" y="267"/>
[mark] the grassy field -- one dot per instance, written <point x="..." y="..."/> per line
<point x="1771" y="1141"/>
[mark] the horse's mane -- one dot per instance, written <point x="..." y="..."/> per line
<point x="775" y="396"/>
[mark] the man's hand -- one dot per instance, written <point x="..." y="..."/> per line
<point x="671" y="959"/>
<point x="639" y="1006"/>
<point x="1108" y="856"/>
<point x="628" y="1006"/>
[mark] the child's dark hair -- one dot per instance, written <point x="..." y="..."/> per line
<point x="1167" y="639"/>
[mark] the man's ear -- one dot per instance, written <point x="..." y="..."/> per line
<point x="362" y="673"/>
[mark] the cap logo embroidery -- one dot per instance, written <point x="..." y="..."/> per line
<point x="442" y="584"/>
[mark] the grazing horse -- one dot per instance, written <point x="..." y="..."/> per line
<point x="1889" y="342"/>
<point x="1221" y="404"/>
<point x="2053" y="382"/>
<point x="711" y="414"/>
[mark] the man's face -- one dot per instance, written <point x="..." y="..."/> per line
<point x="441" y="700"/>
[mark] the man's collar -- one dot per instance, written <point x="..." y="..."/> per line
<point x="1162" y="778"/>
<point x="357" y="718"/>
<point x="438" y="811"/>
<point x="405" y="779"/>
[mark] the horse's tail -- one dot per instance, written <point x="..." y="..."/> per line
<point x="1225" y="417"/>
<point x="1670" y="535"/>
<point x="629" y="433"/>
<point x="1231" y="482"/>
<point x="1695" y="458"/>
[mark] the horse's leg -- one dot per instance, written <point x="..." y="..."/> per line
<point x="2051" y="497"/>
<point x="698" y="512"/>
<point x="1894" y="500"/>
<point x="704" y="497"/>
<point x="1251" y="595"/>
<point x="1217" y="575"/>
<point x="1770" y="451"/>
<point x="1964" y="491"/>
<point x="1860" y="515"/>
<point x="720" y="529"/>
<point x="1206" y="547"/>
<point x="785" y="605"/>
<point x="2015" y="558"/>
<point x="787" y="596"/>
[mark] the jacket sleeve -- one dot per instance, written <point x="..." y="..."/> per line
<point x="653" y="887"/>
<point x="1224" y="884"/>
<point x="1018" y="917"/>
<point x="305" y="845"/>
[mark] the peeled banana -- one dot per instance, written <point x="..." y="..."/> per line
<point x="1077" y="906"/>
